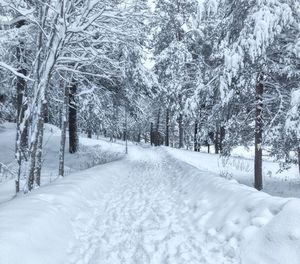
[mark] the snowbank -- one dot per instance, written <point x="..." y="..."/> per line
<point x="37" y="228"/>
<point x="262" y="228"/>
<point x="91" y="153"/>
<point x="240" y="166"/>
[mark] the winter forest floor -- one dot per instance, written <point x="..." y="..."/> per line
<point x="155" y="205"/>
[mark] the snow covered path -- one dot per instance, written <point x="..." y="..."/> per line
<point x="145" y="218"/>
<point x="149" y="208"/>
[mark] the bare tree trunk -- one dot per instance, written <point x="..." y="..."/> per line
<point x="39" y="152"/>
<point x="124" y="134"/>
<point x="30" y="182"/>
<point x="157" y="137"/>
<point x="258" y="184"/>
<point x="139" y="137"/>
<point x="217" y="140"/>
<point x="180" y="123"/>
<point x="196" y="143"/>
<point x="167" y="141"/>
<point x="151" y="134"/>
<point x="222" y="137"/>
<point x="73" y="137"/>
<point x="64" y="120"/>
<point x="33" y="152"/>
<point x="22" y="105"/>
<point x="46" y="112"/>
<point x="90" y="124"/>
<point x="89" y="133"/>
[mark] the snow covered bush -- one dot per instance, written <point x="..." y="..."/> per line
<point x="90" y="156"/>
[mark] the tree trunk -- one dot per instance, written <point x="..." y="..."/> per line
<point x="126" y="131"/>
<point x="36" y="143"/>
<point x="64" y="121"/>
<point x="73" y="137"/>
<point x="217" y="141"/>
<point x="222" y="137"/>
<point x="22" y="105"/>
<point x="180" y="124"/>
<point x="167" y="141"/>
<point x="258" y="184"/>
<point x="38" y="164"/>
<point x="89" y="133"/>
<point x="124" y="135"/>
<point x="151" y="134"/>
<point x="21" y="108"/>
<point x="40" y="87"/>
<point x="157" y="137"/>
<point x="30" y="181"/>
<point x="299" y="159"/>
<point x="139" y="136"/>
<point x="61" y="168"/>
<point x="46" y="113"/>
<point x="196" y="143"/>
<point x="90" y="123"/>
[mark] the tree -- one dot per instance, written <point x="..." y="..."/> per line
<point x="69" y="42"/>
<point x="173" y="58"/>
<point x="247" y="54"/>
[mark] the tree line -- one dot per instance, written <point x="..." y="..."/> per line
<point x="186" y="74"/>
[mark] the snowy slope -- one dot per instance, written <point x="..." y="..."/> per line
<point x="90" y="154"/>
<point x="240" y="166"/>
<point x="149" y="208"/>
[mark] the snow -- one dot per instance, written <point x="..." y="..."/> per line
<point x="90" y="154"/>
<point x="292" y="123"/>
<point x="240" y="167"/>
<point x="5" y="66"/>
<point x="265" y="20"/>
<point x="155" y="205"/>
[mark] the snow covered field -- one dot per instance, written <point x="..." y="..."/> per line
<point x="151" y="206"/>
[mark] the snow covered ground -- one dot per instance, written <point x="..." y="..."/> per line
<point x="240" y="166"/>
<point x="91" y="153"/>
<point x="155" y="205"/>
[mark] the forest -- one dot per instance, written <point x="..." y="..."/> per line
<point x="186" y="74"/>
<point x="149" y="131"/>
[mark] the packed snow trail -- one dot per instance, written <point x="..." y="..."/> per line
<point x="150" y="216"/>
<point x="149" y="208"/>
<point x="145" y="218"/>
